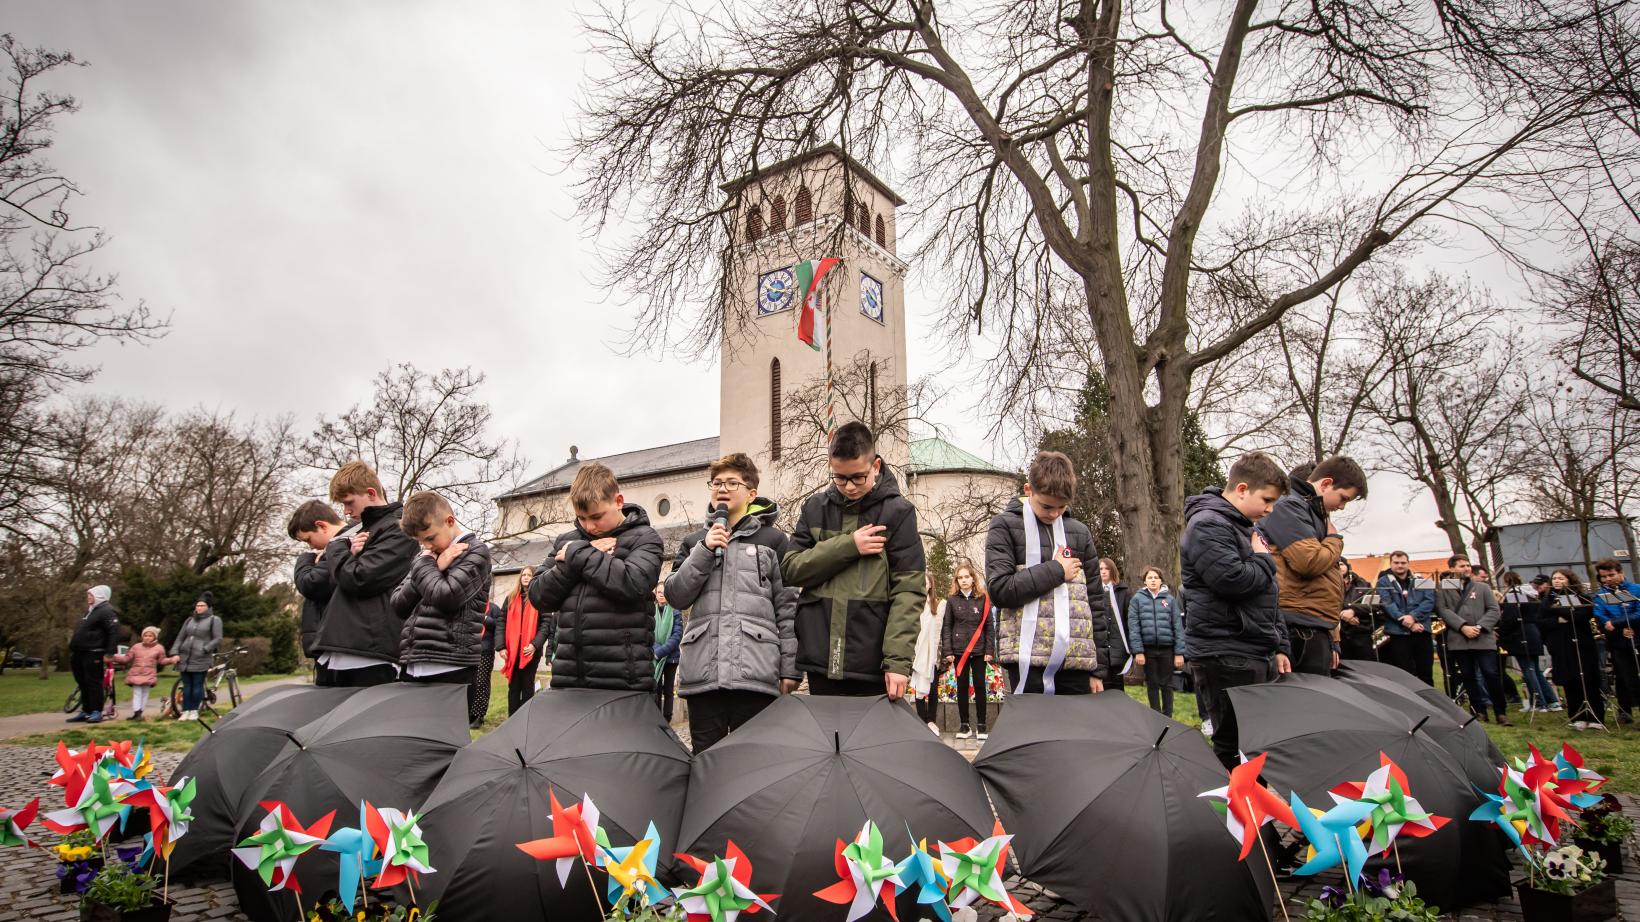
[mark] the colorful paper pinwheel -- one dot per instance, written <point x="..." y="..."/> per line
<point x="922" y="872"/>
<point x="1395" y="812"/>
<point x="398" y="840"/>
<point x="356" y="857"/>
<point x="1246" y="804"/>
<point x="575" y="834"/>
<point x="1334" y="840"/>
<point x="1512" y="818"/>
<point x="13" y="822"/>
<point x="975" y="870"/>
<point x="168" y="812"/>
<point x="279" y="841"/>
<point x="632" y="868"/>
<point x="74" y="767"/>
<point x="725" y="888"/>
<point x="98" y="808"/>
<point x="866" y="875"/>
<point x="1570" y="773"/>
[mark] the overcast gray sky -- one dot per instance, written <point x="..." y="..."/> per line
<point x="314" y="191"/>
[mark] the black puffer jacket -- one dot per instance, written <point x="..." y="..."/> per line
<point x="965" y="614"/>
<point x="359" y="620"/>
<point x="98" y="630"/>
<point x="605" y="605"/>
<point x="1231" y="591"/>
<point x="444" y="609"/>
<point x="314" y="585"/>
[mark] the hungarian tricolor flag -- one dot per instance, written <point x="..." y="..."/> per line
<point x="809" y="274"/>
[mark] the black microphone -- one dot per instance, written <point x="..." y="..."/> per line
<point x="720" y="516"/>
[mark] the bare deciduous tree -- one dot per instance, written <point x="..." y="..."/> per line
<point x="424" y="432"/>
<point x="1587" y="460"/>
<point x="1069" y="157"/>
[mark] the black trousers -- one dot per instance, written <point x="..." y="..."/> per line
<point x="1215" y="676"/>
<point x="87" y="669"/>
<point x="323" y="676"/>
<point x="1065" y="681"/>
<point x="928" y="709"/>
<point x="521" y="687"/>
<point x="1482" y="681"/>
<point x="1414" y="653"/>
<point x="1356" y="644"/>
<point x="1624" y="668"/>
<point x="478" y="702"/>
<point x="1159" y="678"/>
<point x="1312" y="650"/>
<point x="663" y="692"/>
<point x="845" y="688"/>
<point x="365" y="678"/>
<point x="715" y="714"/>
<point x="971" y="679"/>
<point x="1579" y="660"/>
<point x="462" y="676"/>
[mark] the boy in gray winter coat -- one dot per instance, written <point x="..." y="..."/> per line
<point x="741" y="638"/>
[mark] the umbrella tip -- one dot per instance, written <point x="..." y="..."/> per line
<point x="521" y="761"/>
<point x="1158" y="743"/>
<point x="1421" y="721"/>
<point x="837" y="742"/>
<point x="292" y="737"/>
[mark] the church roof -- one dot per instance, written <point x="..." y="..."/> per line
<point x="645" y="462"/>
<point x="854" y="166"/>
<point x="934" y="455"/>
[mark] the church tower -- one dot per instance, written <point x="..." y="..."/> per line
<point x="819" y="204"/>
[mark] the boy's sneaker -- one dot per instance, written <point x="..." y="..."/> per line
<point x="1554" y="707"/>
<point x="982" y="734"/>
<point x="965" y="732"/>
<point x="95" y="717"/>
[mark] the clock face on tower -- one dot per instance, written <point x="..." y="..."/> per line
<point x="871" y="297"/>
<point x="776" y="291"/>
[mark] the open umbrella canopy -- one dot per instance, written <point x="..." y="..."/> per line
<point x="808" y="772"/>
<point x="1462" y="735"/>
<point x="1320" y="732"/>
<point x="227" y="760"/>
<point x="1101" y="794"/>
<point x="613" y="746"/>
<point x="388" y="745"/>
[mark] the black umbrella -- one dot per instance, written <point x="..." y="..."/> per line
<point x="388" y="745"/>
<point x="614" y="746"/>
<point x="1101" y="795"/>
<point x="1463" y="736"/>
<point x="1320" y="732"/>
<point x="809" y="771"/>
<point x="227" y="760"/>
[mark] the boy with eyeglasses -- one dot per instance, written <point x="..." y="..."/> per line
<point x="739" y="648"/>
<point x="858" y="558"/>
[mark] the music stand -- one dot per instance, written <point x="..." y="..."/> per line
<point x="1375" y="616"/>
<point x="1582" y="672"/>
<point x="1454" y="690"/>
<point x="1518" y="598"/>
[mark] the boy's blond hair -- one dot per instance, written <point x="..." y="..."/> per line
<point x="422" y="511"/>
<point x="1052" y="474"/>
<point x="354" y="478"/>
<point x="593" y="484"/>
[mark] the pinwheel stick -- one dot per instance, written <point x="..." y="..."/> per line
<point x="1268" y="864"/>
<point x="1396" y="848"/>
<point x="587" y="867"/>
<point x="1343" y="865"/>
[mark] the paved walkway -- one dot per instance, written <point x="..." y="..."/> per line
<point x="28" y="885"/>
<point x="51" y="722"/>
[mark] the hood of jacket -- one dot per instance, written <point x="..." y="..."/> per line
<point x="634" y="517"/>
<point x="1211" y="501"/>
<point x="887" y="486"/>
<point x="373" y="514"/>
<point x="1298" y="515"/>
<point x="760" y="511"/>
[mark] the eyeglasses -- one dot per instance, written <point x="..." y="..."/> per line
<point x="854" y="480"/>
<point x="725" y="484"/>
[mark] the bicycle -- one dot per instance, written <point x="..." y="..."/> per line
<point x="221" y="671"/>
<point x="72" y="705"/>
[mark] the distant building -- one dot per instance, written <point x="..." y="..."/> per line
<point x="820" y="204"/>
<point x="1539" y="547"/>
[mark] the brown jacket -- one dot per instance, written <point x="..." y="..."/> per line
<point x="1306" y="555"/>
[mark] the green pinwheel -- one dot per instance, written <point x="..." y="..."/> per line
<point x="398" y="837"/>
<point x="97" y="808"/>
<point x="866" y="875"/>
<point x="975" y="869"/>
<point x="725" y="888"/>
<point x="278" y="842"/>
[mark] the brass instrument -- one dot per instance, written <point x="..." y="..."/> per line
<point x="1438" y="628"/>
<point x="1379" y="638"/>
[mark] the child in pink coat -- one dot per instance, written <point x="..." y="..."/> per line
<point x="143" y="662"/>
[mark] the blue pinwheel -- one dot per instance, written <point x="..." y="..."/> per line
<point x="921" y="872"/>
<point x="1334" y="841"/>
<point x="356" y="859"/>
<point x="1508" y="816"/>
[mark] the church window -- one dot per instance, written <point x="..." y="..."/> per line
<point x="882" y="233"/>
<point x="805" y="206"/>
<point x="865" y="219"/>
<point x="754" y="223"/>
<point x="777" y="215"/>
<point x="534" y="523"/>
<point x="774" y="409"/>
<point x="663" y="506"/>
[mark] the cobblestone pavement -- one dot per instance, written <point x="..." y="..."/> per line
<point x="28" y="884"/>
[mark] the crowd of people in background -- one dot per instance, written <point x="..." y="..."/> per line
<point x="845" y="605"/>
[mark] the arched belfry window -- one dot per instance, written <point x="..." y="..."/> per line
<point x="754" y="223"/>
<point x="881" y="233"/>
<point x="774" y="409"/>
<point x="777" y="215"/>
<point x="805" y="206"/>
<point x="865" y="219"/>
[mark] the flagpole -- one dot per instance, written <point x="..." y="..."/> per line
<point x="1258" y="833"/>
<point x="831" y="413"/>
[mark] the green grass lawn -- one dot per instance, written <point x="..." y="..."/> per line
<point x="22" y="691"/>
